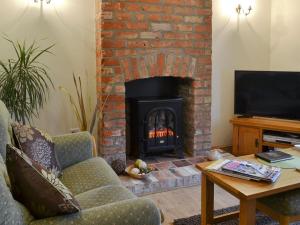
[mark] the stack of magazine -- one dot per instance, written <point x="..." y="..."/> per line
<point x="245" y="170"/>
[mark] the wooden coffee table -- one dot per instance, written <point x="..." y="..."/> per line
<point x="246" y="191"/>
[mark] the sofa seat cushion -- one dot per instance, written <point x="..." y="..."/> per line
<point x="103" y="195"/>
<point x="137" y="211"/>
<point x="89" y="174"/>
<point x="287" y="203"/>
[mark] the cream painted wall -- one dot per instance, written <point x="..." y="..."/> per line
<point x="238" y="43"/>
<point x="285" y="35"/>
<point x="70" y="24"/>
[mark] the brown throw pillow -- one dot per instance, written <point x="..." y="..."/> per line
<point x="38" y="189"/>
<point x="37" y="145"/>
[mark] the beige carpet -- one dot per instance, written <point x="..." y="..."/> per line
<point x="185" y="202"/>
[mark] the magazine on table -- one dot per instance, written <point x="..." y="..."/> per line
<point x="245" y="170"/>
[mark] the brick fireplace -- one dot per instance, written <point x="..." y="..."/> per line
<point x="139" y="39"/>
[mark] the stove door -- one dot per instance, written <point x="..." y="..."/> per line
<point x="160" y="129"/>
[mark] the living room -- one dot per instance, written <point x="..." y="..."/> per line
<point x="107" y="51"/>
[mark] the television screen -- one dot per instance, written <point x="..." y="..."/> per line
<point x="268" y="94"/>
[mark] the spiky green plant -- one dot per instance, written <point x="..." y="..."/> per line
<point x="24" y="81"/>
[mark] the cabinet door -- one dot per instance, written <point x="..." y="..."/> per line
<point x="248" y="140"/>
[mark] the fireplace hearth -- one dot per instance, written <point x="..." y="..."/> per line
<point x="156" y="126"/>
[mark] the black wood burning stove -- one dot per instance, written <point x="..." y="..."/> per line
<point x="156" y="126"/>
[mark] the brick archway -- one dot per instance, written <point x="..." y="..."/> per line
<point x="148" y="38"/>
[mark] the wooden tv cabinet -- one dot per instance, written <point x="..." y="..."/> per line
<point x="248" y="133"/>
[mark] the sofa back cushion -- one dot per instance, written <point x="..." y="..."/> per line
<point x="10" y="212"/>
<point x="5" y="129"/>
<point x="3" y="172"/>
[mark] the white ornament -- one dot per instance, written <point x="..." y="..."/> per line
<point x="135" y="171"/>
<point x="214" y="155"/>
<point x="143" y="165"/>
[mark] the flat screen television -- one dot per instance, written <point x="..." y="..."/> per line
<point x="267" y="94"/>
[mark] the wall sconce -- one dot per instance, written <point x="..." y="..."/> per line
<point x="47" y="1"/>
<point x="239" y="9"/>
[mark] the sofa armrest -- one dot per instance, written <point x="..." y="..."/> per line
<point x="73" y="148"/>
<point x="138" y="211"/>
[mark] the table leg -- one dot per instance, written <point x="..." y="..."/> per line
<point x="207" y="200"/>
<point x="247" y="212"/>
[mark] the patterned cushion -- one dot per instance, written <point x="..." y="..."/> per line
<point x="89" y="174"/>
<point x="38" y="145"/>
<point x="39" y="190"/>
<point x="102" y="196"/>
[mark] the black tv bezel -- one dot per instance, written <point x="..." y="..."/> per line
<point x="248" y="115"/>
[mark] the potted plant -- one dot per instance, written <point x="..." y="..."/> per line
<point x="24" y="81"/>
<point x="79" y="107"/>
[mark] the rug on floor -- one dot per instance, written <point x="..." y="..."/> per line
<point x="261" y="219"/>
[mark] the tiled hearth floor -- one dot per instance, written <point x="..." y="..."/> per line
<point x="170" y="173"/>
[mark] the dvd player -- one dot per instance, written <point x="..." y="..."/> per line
<point x="281" y="139"/>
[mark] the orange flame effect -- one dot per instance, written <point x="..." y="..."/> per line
<point x="161" y="133"/>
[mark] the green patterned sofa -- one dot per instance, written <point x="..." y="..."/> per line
<point x="104" y="201"/>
